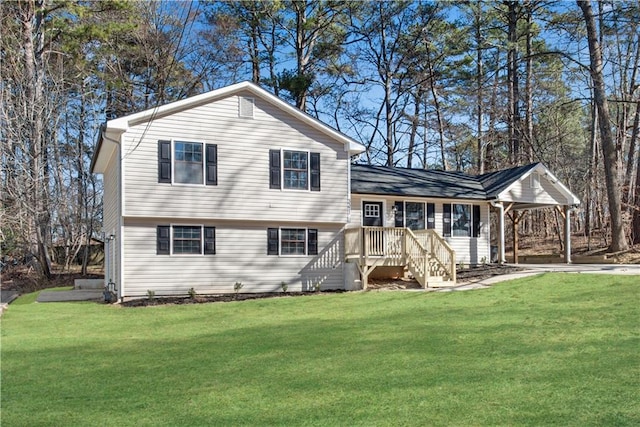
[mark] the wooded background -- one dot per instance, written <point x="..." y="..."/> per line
<point x="470" y="85"/>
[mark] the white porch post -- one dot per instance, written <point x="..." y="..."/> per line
<point x="501" y="257"/>
<point x="567" y="234"/>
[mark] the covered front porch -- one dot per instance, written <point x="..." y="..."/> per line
<point x="424" y="253"/>
<point x="538" y="189"/>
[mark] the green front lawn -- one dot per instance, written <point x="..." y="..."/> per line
<point x="559" y="349"/>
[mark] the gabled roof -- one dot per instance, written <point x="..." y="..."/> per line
<point x="122" y="124"/>
<point x="387" y="181"/>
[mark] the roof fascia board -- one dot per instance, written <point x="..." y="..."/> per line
<point x="107" y="145"/>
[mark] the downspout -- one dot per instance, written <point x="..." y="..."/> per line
<point x="500" y="206"/>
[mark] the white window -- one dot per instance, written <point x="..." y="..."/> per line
<point x="414" y="215"/>
<point x="188" y="167"/>
<point x="295" y="169"/>
<point x="461" y="220"/>
<point x="293" y="241"/>
<point x="371" y="210"/>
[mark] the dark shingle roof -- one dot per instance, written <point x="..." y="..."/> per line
<point x="382" y="180"/>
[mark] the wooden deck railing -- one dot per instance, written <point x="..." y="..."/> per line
<point x="417" y="258"/>
<point x="423" y="251"/>
<point x="442" y="254"/>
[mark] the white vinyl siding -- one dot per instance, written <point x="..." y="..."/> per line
<point x="243" y="167"/>
<point x="241" y="256"/>
<point x="110" y="217"/>
<point x="523" y="191"/>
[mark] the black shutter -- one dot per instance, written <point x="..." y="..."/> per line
<point x="274" y="169"/>
<point x="212" y="164"/>
<point x="272" y="242"/>
<point x="209" y="240"/>
<point x="163" y="240"/>
<point x="446" y="220"/>
<point x="431" y="215"/>
<point x="399" y="214"/>
<point x="315" y="171"/>
<point x="164" y="161"/>
<point x="476" y="221"/>
<point x="312" y="241"/>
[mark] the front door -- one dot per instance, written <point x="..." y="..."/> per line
<point x="372" y="217"/>
<point x="372" y="214"/>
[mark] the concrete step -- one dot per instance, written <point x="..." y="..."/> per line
<point x="88" y="284"/>
<point x="439" y="282"/>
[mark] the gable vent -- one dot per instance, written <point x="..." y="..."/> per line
<point x="534" y="180"/>
<point x="246" y="107"/>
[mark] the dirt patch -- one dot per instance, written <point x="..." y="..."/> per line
<point x="463" y="275"/>
<point x="393" y="284"/>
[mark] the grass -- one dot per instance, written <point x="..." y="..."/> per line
<point x="550" y="350"/>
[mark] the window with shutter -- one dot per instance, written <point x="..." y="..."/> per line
<point x="184" y="162"/>
<point x="294" y="170"/>
<point x="292" y="241"/>
<point x="185" y="239"/>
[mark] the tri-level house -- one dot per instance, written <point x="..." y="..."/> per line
<point x="236" y="186"/>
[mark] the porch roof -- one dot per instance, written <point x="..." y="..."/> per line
<point x="493" y="186"/>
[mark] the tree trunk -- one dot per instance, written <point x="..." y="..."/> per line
<point x="611" y="158"/>
<point x="512" y="77"/>
<point x="479" y="87"/>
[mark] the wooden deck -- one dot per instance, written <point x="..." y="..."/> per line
<point x="426" y="255"/>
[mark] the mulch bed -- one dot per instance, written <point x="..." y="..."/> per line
<point x="485" y="271"/>
<point x="463" y="275"/>
<point x="201" y="299"/>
